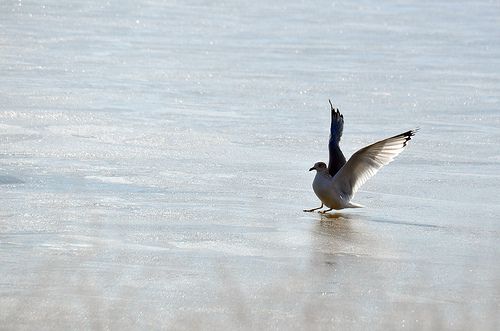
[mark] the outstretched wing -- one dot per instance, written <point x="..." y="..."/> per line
<point x="337" y="159"/>
<point x="365" y="163"/>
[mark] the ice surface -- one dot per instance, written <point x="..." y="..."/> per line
<point x="154" y="156"/>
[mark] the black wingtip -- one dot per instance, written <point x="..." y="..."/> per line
<point x="408" y="134"/>
<point x="331" y="106"/>
<point x="335" y="111"/>
<point x="413" y="132"/>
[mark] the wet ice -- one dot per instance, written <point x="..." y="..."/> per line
<point x="153" y="165"/>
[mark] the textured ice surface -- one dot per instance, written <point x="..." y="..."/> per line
<point x="154" y="156"/>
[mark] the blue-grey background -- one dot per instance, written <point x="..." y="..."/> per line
<point x="154" y="156"/>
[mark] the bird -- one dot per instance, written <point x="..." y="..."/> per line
<point x="336" y="184"/>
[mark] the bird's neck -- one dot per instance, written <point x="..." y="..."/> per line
<point x="323" y="174"/>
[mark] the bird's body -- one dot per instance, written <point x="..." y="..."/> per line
<point x="337" y="184"/>
<point x="328" y="191"/>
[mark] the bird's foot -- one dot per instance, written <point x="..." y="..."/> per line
<point x="325" y="211"/>
<point x="311" y="210"/>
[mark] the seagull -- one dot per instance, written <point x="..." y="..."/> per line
<point x="337" y="184"/>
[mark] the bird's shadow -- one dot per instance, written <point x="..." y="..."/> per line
<point x="334" y="236"/>
<point x="335" y="216"/>
<point x="336" y="224"/>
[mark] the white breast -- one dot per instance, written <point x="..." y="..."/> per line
<point x="325" y="190"/>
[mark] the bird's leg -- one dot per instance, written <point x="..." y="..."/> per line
<point x="311" y="210"/>
<point x="325" y="211"/>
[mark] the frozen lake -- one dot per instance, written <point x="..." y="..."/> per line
<point x="154" y="157"/>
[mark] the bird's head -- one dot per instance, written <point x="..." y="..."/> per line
<point x="319" y="166"/>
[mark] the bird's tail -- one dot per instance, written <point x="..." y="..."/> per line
<point x="354" y="205"/>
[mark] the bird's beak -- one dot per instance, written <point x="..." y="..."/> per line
<point x="312" y="169"/>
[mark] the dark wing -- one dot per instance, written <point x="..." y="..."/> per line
<point x="337" y="159"/>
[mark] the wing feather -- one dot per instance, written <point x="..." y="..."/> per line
<point x="336" y="157"/>
<point x="365" y="163"/>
